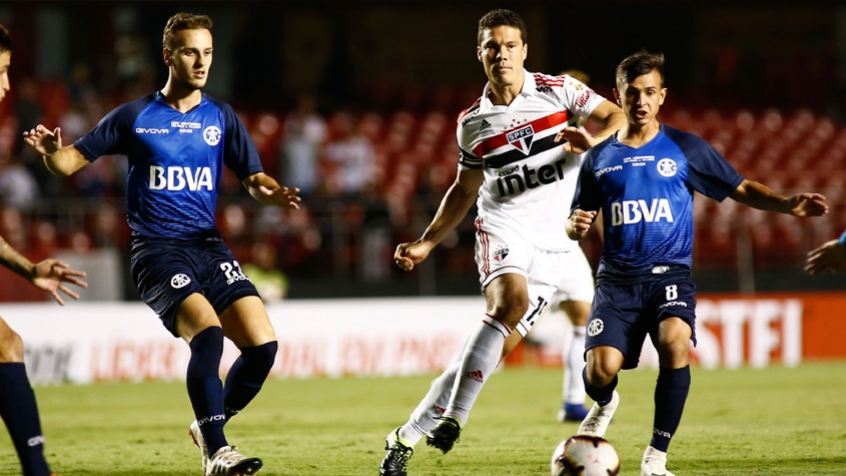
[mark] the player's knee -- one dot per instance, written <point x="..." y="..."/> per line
<point x="600" y="375"/>
<point x="264" y="355"/>
<point x="11" y="346"/>
<point x="509" y="312"/>
<point x="673" y="354"/>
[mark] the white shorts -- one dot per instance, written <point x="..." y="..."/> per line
<point x="502" y="251"/>
<point x="577" y="283"/>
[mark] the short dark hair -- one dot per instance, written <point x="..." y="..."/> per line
<point x="502" y="17"/>
<point x="638" y="64"/>
<point x="5" y="39"/>
<point x="183" y="21"/>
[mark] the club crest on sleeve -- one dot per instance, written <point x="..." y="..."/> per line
<point x="595" y="327"/>
<point x="522" y="138"/>
<point x="179" y="281"/>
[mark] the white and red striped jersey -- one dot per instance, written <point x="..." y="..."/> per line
<point x="529" y="180"/>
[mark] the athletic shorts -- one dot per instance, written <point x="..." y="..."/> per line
<point x="502" y="251"/>
<point x="168" y="271"/>
<point x="622" y="315"/>
<point x="577" y="283"/>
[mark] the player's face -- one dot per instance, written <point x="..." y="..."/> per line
<point x="642" y="98"/>
<point x="503" y="52"/>
<point x="191" y="59"/>
<point x="5" y="60"/>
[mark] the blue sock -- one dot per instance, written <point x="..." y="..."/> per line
<point x="670" y="395"/>
<point x="600" y="395"/>
<point x="247" y="375"/>
<point x="20" y="412"/>
<point x="204" y="387"/>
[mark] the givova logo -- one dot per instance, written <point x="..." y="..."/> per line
<point x="176" y="178"/>
<point x="629" y="212"/>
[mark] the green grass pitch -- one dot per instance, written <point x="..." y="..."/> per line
<point x="775" y="421"/>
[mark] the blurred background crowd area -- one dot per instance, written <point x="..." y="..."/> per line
<point x="356" y="106"/>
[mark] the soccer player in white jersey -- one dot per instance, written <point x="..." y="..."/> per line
<point x="643" y="179"/>
<point x="512" y="164"/>
<point x="18" y="407"/>
<point x="177" y="141"/>
<point x="828" y="258"/>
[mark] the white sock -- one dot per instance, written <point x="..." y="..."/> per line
<point x="432" y="406"/>
<point x="574" y="386"/>
<point x="481" y="356"/>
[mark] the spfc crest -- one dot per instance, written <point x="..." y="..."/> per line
<point x="500" y="254"/>
<point x="522" y="138"/>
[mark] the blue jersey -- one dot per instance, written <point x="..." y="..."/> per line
<point x="646" y="198"/>
<point x="175" y="161"/>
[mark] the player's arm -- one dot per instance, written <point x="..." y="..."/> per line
<point x="758" y="195"/>
<point x="606" y="114"/>
<point x="49" y="275"/>
<point x="267" y="191"/>
<point x="454" y="207"/>
<point x="62" y="161"/>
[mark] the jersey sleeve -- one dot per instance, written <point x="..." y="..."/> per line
<point x="466" y="158"/>
<point x="577" y="97"/>
<point x="240" y="154"/>
<point x="111" y="135"/>
<point x="709" y="172"/>
<point x="588" y="196"/>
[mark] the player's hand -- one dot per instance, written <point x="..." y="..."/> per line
<point x="282" y="197"/>
<point x="43" y="140"/>
<point x="808" y="205"/>
<point x="52" y="274"/>
<point x="578" y="140"/>
<point x="409" y="254"/>
<point x="579" y="224"/>
<point x="828" y="258"/>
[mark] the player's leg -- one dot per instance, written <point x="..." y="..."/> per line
<point x="573" y="408"/>
<point x="426" y="416"/>
<point x="600" y="379"/>
<point x="246" y="323"/>
<point x="17" y="405"/>
<point x="671" y="340"/>
<point x="507" y="301"/>
<point x="198" y="324"/>
<point x="674" y="304"/>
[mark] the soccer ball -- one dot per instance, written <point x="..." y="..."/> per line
<point x="583" y="455"/>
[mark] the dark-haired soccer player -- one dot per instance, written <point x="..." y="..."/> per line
<point x="178" y="140"/>
<point x="643" y="180"/>
<point x="17" y="400"/>
<point x="514" y="167"/>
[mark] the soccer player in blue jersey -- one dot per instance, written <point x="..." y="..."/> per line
<point x="642" y="179"/>
<point x="828" y="258"/>
<point x="177" y="141"/>
<point x="17" y="400"/>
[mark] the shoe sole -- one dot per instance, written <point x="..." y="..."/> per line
<point x="246" y="467"/>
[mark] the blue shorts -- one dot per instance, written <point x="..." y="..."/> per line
<point x="168" y="271"/>
<point x="622" y="315"/>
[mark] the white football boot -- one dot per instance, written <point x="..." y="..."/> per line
<point x="654" y="463"/>
<point x="597" y="421"/>
<point x="229" y="462"/>
<point x="197" y="436"/>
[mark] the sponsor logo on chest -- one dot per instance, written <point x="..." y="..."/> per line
<point x="630" y="212"/>
<point x="176" y="178"/>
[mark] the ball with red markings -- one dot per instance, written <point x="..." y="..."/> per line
<point x="583" y="455"/>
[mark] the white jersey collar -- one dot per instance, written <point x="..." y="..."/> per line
<point x="528" y="89"/>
